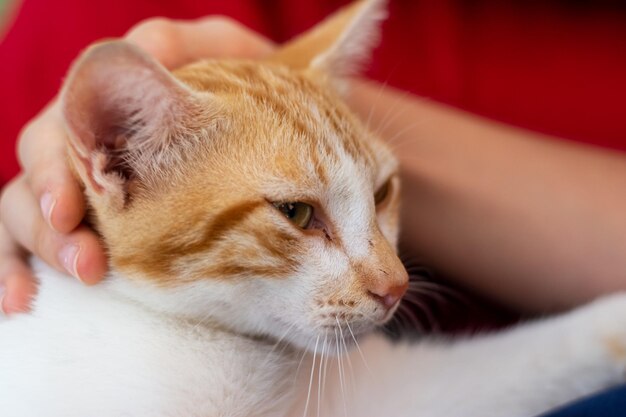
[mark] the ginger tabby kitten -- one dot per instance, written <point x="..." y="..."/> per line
<point x="251" y="223"/>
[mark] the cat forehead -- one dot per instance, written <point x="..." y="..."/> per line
<point x="287" y="123"/>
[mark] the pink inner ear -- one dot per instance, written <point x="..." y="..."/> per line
<point x="116" y="101"/>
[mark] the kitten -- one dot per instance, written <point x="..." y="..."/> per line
<point x="251" y="221"/>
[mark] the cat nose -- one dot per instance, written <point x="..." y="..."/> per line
<point x="388" y="294"/>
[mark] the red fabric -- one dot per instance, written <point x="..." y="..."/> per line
<point x="557" y="67"/>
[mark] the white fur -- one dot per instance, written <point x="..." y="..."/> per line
<point x="99" y="352"/>
<point x="96" y="352"/>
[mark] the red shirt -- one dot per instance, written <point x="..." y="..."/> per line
<point x="554" y="66"/>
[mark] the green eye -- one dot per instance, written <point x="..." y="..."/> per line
<point x="298" y="213"/>
<point x="382" y="193"/>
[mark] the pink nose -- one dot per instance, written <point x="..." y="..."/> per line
<point x="388" y="296"/>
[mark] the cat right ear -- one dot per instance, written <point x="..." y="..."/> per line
<point x="340" y="44"/>
<point x="123" y="111"/>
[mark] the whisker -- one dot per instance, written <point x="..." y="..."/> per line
<point x="201" y="322"/>
<point x="402" y="321"/>
<point x="345" y="347"/>
<point x="389" y="332"/>
<point x="423" y="308"/>
<point x="341" y="376"/>
<point x="395" y="327"/>
<point x="410" y="316"/>
<point x="328" y="358"/>
<point x="319" y="377"/>
<point x="369" y="115"/>
<point x="440" y="288"/>
<point x="395" y="143"/>
<point x="424" y="293"/>
<point x="304" y="353"/>
<point x="386" y="121"/>
<point x="359" y="349"/>
<point x="308" y="396"/>
<point x="267" y="358"/>
<point x="415" y="265"/>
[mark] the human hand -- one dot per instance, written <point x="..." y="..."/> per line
<point x="42" y="209"/>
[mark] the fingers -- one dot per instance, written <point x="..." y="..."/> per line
<point x="176" y="43"/>
<point x="42" y="154"/>
<point x="78" y="252"/>
<point x="43" y="208"/>
<point x="17" y="286"/>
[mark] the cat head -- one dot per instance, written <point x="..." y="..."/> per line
<point x="243" y="193"/>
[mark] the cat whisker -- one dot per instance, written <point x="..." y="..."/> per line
<point x="440" y="288"/>
<point x="341" y="375"/>
<point x="320" y="375"/>
<point x="359" y="350"/>
<point x="431" y="320"/>
<point x="327" y="359"/>
<point x="339" y="327"/>
<point x="381" y="88"/>
<point x="308" y="396"/>
<point x="415" y="296"/>
<point x="426" y="292"/>
<point x="431" y="285"/>
<point x="345" y="345"/>
<point x="304" y="353"/>
<point x="410" y="316"/>
<point x="396" y="320"/>
<point x="386" y="121"/>
<point x="278" y="342"/>
<point x="416" y="266"/>
<point x="395" y="143"/>
<point x="201" y="322"/>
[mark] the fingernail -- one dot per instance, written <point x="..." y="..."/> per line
<point x="47" y="204"/>
<point x="68" y="256"/>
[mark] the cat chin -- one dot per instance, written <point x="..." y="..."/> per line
<point x="325" y="345"/>
<point x="329" y="342"/>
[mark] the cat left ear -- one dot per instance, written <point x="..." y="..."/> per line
<point x="340" y="45"/>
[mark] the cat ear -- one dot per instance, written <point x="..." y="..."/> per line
<point x="340" y="44"/>
<point x="123" y="110"/>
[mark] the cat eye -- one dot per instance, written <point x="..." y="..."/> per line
<point x="298" y="213"/>
<point x="381" y="194"/>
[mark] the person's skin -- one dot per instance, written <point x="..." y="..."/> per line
<point x="532" y="222"/>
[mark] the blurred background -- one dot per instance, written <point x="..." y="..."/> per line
<point x="3" y="6"/>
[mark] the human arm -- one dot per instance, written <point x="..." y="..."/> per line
<point x="534" y="222"/>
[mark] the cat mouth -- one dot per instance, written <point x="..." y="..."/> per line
<point x="337" y="332"/>
<point x="348" y="328"/>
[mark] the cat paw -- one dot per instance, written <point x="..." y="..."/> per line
<point x="605" y="318"/>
